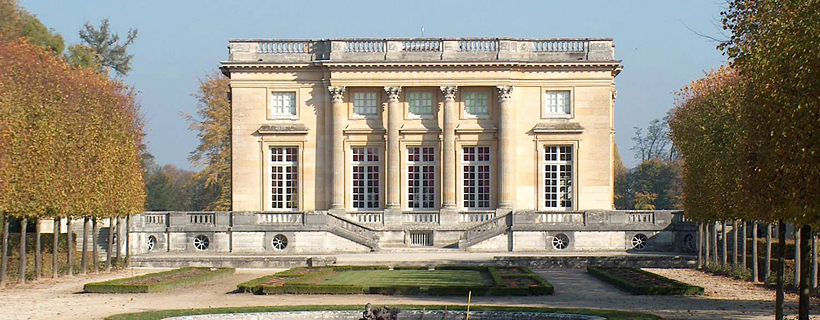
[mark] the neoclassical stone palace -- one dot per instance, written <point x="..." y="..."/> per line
<point x="471" y="143"/>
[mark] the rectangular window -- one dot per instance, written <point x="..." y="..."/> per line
<point x="476" y="164"/>
<point x="282" y="104"/>
<point x="421" y="178"/>
<point x="366" y="167"/>
<point x="476" y="103"/>
<point x="364" y="103"/>
<point x="558" y="177"/>
<point x="421" y="103"/>
<point x="557" y="102"/>
<point x="284" y="178"/>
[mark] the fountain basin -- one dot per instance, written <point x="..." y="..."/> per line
<point x="404" y="315"/>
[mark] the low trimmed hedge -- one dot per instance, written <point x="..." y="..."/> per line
<point x="123" y="285"/>
<point x="674" y="287"/>
<point x="303" y="280"/>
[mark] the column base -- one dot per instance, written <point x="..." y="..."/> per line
<point x="393" y="217"/>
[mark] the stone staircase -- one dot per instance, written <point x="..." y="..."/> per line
<point x="486" y="230"/>
<point x="353" y="231"/>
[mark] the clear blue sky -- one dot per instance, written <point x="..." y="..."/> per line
<point x="179" y="41"/>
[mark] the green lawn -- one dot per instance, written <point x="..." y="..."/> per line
<point x="430" y="278"/>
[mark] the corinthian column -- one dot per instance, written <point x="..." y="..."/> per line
<point x="506" y="145"/>
<point x="448" y="173"/>
<point x="337" y="145"/>
<point x="393" y="119"/>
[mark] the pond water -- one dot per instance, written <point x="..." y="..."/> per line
<point x="404" y="315"/>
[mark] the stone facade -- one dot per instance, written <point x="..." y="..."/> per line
<point x="513" y="78"/>
<point x="350" y="145"/>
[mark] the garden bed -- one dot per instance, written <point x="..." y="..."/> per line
<point x="637" y="281"/>
<point x="441" y="281"/>
<point x="158" y="281"/>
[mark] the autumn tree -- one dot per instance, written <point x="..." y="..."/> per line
<point x="213" y="127"/>
<point x="774" y="45"/>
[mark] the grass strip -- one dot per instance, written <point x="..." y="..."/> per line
<point x="134" y="285"/>
<point x="449" y="280"/>
<point x="161" y="314"/>
<point x="616" y="277"/>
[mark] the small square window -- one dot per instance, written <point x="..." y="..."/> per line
<point x="557" y="102"/>
<point x="477" y="103"/>
<point x="282" y="104"/>
<point x="364" y="103"/>
<point x="420" y="104"/>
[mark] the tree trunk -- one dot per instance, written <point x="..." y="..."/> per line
<point x="744" y="236"/>
<point x="69" y="247"/>
<point x="700" y="245"/>
<point x="781" y="270"/>
<point x="38" y="254"/>
<point x="110" y="244"/>
<point x="767" y="271"/>
<point x="127" y="238"/>
<point x="724" y="234"/>
<point x="734" y="245"/>
<point x="94" y="234"/>
<point x="5" y="257"/>
<point x="119" y="240"/>
<point x="84" y="257"/>
<point x="714" y="243"/>
<point x="797" y="258"/>
<point x="707" y="236"/>
<point x="22" y="276"/>
<point x="755" y="262"/>
<point x="805" y="277"/>
<point x="55" y="249"/>
<point x="814" y="262"/>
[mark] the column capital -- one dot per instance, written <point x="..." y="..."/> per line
<point x="337" y="93"/>
<point x="392" y="93"/>
<point x="449" y="92"/>
<point x="504" y="92"/>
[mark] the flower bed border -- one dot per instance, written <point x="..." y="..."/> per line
<point x="120" y="286"/>
<point x="677" y="288"/>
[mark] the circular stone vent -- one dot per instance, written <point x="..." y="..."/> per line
<point x="201" y="242"/>
<point x="560" y="241"/>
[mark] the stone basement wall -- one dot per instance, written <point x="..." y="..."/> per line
<point x="314" y="233"/>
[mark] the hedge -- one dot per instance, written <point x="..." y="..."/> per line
<point x="303" y="280"/>
<point x="123" y="286"/>
<point x="674" y="288"/>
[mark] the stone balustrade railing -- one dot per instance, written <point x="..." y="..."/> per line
<point x="420" y="49"/>
<point x="471" y="217"/>
<point x="366" y="217"/>
<point x="421" y="217"/>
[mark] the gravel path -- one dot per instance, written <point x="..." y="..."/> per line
<point x="725" y="298"/>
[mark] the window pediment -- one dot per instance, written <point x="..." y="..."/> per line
<point x="558" y="127"/>
<point x="295" y="128"/>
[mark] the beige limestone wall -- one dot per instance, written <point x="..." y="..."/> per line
<point x="592" y="108"/>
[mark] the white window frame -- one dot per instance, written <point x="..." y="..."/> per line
<point x="410" y="104"/>
<point x="278" y="116"/>
<point x="476" y="165"/>
<point x="283" y="163"/>
<point x="547" y="114"/>
<point x="560" y="163"/>
<point x="430" y="164"/>
<point x="367" y="179"/>
<point x="356" y="105"/>
<point x="465" y="114"/>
